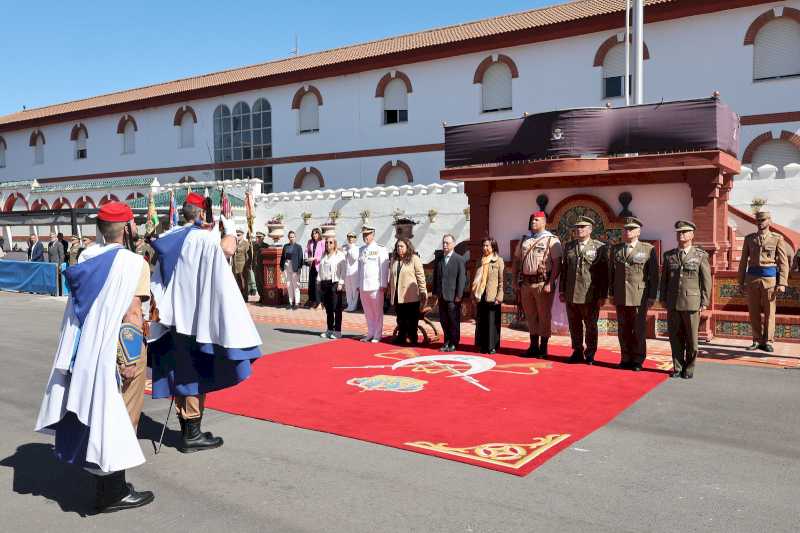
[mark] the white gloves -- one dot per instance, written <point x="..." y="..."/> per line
<point x="228" y="226"/>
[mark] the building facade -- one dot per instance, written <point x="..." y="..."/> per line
<point x="372" y="114"/>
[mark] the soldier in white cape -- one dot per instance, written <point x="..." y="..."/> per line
<point x="202" y="337"/>
<point x="100" y="343"/>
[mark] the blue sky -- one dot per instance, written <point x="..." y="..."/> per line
<point x="55" y="51"/>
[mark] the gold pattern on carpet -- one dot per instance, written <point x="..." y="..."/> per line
<point x="509" y="455"/>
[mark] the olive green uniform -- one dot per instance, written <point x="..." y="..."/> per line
<point x="685" y="288"/>
<point x="584" y="282"/>
<point x="633" y="280"/>
<point x="242" y="260"/>
<point x="760" y="252"/>
<point x="258" y="268"/>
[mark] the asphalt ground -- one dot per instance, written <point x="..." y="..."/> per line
<point x="716" y="453"/>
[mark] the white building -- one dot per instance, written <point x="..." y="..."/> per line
<point x="372" y="113"/>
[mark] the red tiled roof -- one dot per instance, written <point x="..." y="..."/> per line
<point x="527" y="20"/>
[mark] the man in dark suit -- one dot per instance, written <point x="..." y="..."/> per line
<point x="55" y="250"/>
<point x="36" y="250"/>
<point x="449" y="280"/>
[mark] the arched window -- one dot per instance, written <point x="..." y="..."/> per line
<point x="777" y="152"/>
<point x="495" y="74"/>
<point x="39" y="204"/>
<point x="222" y="134"/>
<point x="308" y="179"/>
<point x="84" y="202"/>
<point x="62" y="203"/>
<point x="79" y="136"/>
<point x="395" y="173"/>
<point x="108" y="198"/>
<point x="37" y="142"/>
<point x="187" y="179"/>
<point x="776" y="49"/>
<point x="127" y="128"/>
<point x="262" y="129"/>
<point x="2" y="152"/>
<point x="308" y="114"/>
<point x="395" y="102"/>
<point x="242" y="135"/>
<point x="614" y="72"/>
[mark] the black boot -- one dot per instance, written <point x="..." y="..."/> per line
<point x="533" y="349"/>
<point x="543" y="347"/>
<point x="194" y="440"/>
<point x="114" y="494"/>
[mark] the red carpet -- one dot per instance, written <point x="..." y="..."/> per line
<point x="532" y="410"/>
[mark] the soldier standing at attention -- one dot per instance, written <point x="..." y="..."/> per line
<point x="583" y="288"/>
<point x="763" y="274"/>
<point x="633" y="286"/>
<point x="685" y="292"/>
<point x="536" y="266"/>
<point x="241" y="263"/>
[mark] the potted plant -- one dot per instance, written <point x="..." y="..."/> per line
<point x="403" y="227"/>
<point x="333" y="215"/>
<point x="365" y="214"/>
<point x="275" y="227"/>
<point x="398" y="213"/>
<point x="275" y="221"/>
<point x="306" y="217"/>
<point x="432" y="215"/>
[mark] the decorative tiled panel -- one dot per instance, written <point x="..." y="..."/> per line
<point x="727" y="294"/>
<point x="662" y="328"/>
<point x="729" y="328"/>
<point x="787" y="331"/>
<point x="607" y="326"/>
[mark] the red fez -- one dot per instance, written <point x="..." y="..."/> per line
<point x="195" y="199"/>
<point x="539" y="214"/>
<point x="115" y="212"/>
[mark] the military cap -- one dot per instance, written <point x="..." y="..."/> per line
<point x="240" y="231"/>
<point x="115" y="212"/>
<point x="367" y="229"/>
<point x="763" y="215"/>
<point x="583" y="221"/>
<point x="260" y="234"/>
<point x="685" y="225"/>
<point x="350" y="234"/>
<point x="632" y="223"/>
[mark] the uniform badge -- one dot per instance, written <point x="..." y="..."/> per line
<point x="129" y="347"/>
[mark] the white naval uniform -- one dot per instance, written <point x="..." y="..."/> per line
<point x="373" y="277"/>
<point x="351" y="252"/>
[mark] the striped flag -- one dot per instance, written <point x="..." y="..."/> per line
<point x="225" y="205"/>
<point x="249" y="212"/>
<point x="152" y="215"/>
<point x="173" y="211"/>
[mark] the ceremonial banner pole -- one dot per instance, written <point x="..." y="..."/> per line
<point x="164" y="428"/>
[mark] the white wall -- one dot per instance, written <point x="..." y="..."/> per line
<point x="657" y="206"/>
<point x="782" y="195"/>
<point x="690" y="58"/>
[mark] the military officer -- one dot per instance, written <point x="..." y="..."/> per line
<point x="685" y="291"/>
<point x="242" y="259"/>
<point x="763" y="274"/>
<point x="373" y="278"/>
<point x="584" y="288"/>
<point x="258" y="267"/>
<point x="633" y="287"/>
<point x="536" y="265"/>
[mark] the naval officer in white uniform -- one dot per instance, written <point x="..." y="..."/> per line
<point x="373" y="278"/>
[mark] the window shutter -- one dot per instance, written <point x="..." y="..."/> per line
<point x="397" y="176"/>
<point x="776" y="50"/>
<point x="614" y="63"/>
<point x="128" y="139"/>
<point x="310" y="181"/>
<point x="187" y="131"/>
<point x="496" y="87"/>
<point x="395" y="96"/>
<point x="81" y="140"/>
<point x="309" y="113"/>
<point x="776" y="152"/>
<point x="2" y="156"/>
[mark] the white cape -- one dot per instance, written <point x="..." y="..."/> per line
<point x="90" y="390"/>
<point x="202" y="299"/>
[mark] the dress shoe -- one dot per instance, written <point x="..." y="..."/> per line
<point x="754" y="346"/>
<point x="590" y="361"/>
<point x="687" y="376"/>
<point x="624" y="365"/>
<point x="636" y="368"/>
<point x="374" y="341"/>
<point x="364" y="339"/>
<point x="543" y="347"/>
<point x="444" y="348"/>
<point x="115" y="494"/>
<point x="575" y="358"/>
<point x="767" y="348"/>
<point x="492" y="351"/>
<point x="675" y="374"/>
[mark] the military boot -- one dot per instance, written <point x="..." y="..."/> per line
<point x="194" y="440"/>
<point x="533" y="349"/>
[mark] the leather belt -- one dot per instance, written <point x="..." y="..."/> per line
<point x="535" y="278"/>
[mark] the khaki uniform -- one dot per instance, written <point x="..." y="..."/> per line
<point x="72" y="253"/>
<point x="584" y="281"/>
<point x="633" y="280"/>
<point x="242" y="261"/>
<point x="133" y="388"/>
<point x="537" y="259"/>
<point x="685" y="287"/>
<point x="767" y="251"/>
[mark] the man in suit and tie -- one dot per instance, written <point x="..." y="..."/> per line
<point x="55" y="250"/>
<point x="633" y="286"/>
<point x="36" y="250"/>
<point x="449" y="280"/>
